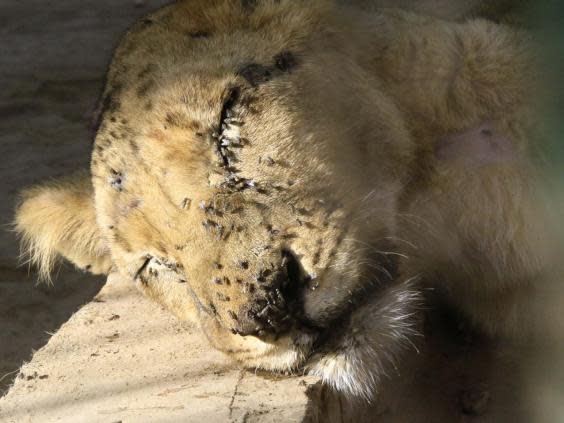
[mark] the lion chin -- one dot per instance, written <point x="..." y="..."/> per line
<point x="352" y="355"/>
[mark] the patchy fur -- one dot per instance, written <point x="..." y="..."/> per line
<point x="279" y="172"/>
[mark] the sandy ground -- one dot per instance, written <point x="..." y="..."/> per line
<point x="129" y="368"/>
<point x="54" y="55"/>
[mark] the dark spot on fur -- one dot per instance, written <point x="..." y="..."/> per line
<point x="162" y="248"/>
<point x="186" y="203"/>
<point x="244" y="264"/>
<point x="110" y="103"/>
<point x="210" y="209"/>
<point x="255" y="74"/>
<point x="214" y="227"/>
<point x="123" y="243"/>
<point x="249" y="5"/>
<point x="222" y="297"/>
<point x="247" y="102"/>
<point x="217" y="281"/>
<point x="487" y="132"/>
<point x="116" y="180"/>
<point x="233" y="315"/>
<point x="285" y="61"/>
<point x="217" y="266"/>
<point x="147" y="22"/>
<point x="212" y="308"/>
<point x="272" y="231"/>
<point x="316" y="257"/>
<point x="105" y="142"/>
<point x="144" y="89"/>
<point x="134" y="146"/>
<point x="237" y="210"/>
<point x="147" y="71"/>
<point x="174" y="119"/>
<point x="263" y="275"/>
<point x="199" y="34"/>
<point x="133" y="204"/>
<point x="303" y="211"/>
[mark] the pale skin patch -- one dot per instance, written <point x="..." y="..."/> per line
<point x="478" y="146"/>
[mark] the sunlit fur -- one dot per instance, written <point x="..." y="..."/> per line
<point x="58" y="219"/>
<point x="340" y="145"/>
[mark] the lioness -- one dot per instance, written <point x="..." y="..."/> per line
<point x="290" y="174"/>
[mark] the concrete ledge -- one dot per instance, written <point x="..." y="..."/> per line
<point x="122" y="358"/>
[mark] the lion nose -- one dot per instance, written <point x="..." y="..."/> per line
<point x="274" y="309"/>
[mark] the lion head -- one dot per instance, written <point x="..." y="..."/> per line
<point x="246" y="172"/>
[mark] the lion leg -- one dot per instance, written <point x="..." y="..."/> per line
<point x="168" y="286"/>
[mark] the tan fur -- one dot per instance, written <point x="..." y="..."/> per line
<point x="58" y="219"/>
<point x="286" y="221"/>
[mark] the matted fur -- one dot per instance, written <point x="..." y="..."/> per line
<point x="278" y="170"/>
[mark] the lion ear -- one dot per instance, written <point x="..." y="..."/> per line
<point x="59" y="219"/>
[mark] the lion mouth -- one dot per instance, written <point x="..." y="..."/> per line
<point x="294" y="289"/>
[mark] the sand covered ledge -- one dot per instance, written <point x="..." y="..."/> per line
<point x="123" y="358"/>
